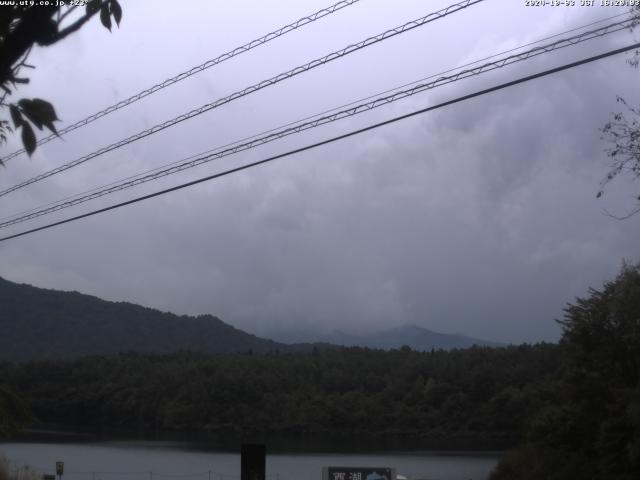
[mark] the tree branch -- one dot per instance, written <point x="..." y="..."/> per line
<point x="33" y="25"/>
<point x="69" y="10"/>
<point x="75" y="26"/>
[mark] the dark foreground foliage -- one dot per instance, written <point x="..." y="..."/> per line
<point x="592" y="430"/>
<point x="484" y="393"/>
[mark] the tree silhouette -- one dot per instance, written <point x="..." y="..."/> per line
<point x="21" y="28"/>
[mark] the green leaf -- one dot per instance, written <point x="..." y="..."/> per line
<point x="28" y="138"/>
<point x="40" y="112"/>
<point x="104" y="16"/>
<point x="30" y="113"/>
<point x="16" y="116"/>
<point x="49" y="113"/>
<point x="116" y="11"/>
<point x="93" y="6"/>
<point x="52" y="128"/>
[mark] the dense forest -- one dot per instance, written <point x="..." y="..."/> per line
<point x="477" y="392"/>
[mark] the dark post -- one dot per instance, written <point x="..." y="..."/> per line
<point x="59" y="469"/>
<point x="252" y="461"/>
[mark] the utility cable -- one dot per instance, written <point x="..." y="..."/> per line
<point x="331" y="140"/>
<point x="258" y="86"/>
<point x="197" y="69"/>
<point x="194" y="161"/>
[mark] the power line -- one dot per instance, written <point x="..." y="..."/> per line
<point x="275" y="134"/>
<point x="197" y="69"/>
<point x="258" y="86"/>
<point x="331" y="140"/>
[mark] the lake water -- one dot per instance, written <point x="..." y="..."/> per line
<point x="168" y="460"/>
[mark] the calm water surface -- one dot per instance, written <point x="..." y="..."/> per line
<point x="161" y="460"/>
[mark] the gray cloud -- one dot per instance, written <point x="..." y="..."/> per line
<point x="480" y="218"/>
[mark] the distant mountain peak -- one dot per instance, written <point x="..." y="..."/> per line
<point x="412" y="335"/>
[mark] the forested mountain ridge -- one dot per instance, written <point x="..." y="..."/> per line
<point x="40" y="323"/>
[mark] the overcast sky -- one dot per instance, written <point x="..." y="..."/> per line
<point x="479" y="218"/>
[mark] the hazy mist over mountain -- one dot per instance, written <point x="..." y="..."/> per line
<point x="414" y="336"/>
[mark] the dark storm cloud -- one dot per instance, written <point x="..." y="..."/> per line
<point x="480" y="218"/>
